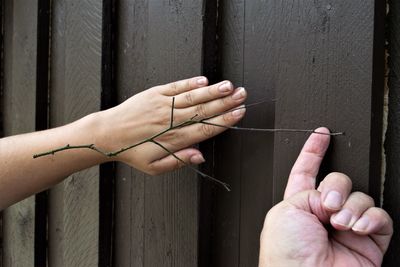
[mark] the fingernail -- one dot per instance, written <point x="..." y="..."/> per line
<point x="239" y="94"/>
<point x="333" y="200"/>
<point x="361" y="225"/>
<point x="225" y="87"/>
<point x="202" y="81"/>
<point x="238" y="112"/>
<point x="343" y="218"/>
<point x="197" y="159"/>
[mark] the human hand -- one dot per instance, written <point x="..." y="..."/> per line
<point x="327" y="226"/>
<point x="149" y="112"/>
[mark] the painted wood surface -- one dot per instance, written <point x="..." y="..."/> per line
<point x="75" y="92"/>
<point x="314" y="64"/>
<point x="19" y="117"/>
<point x="156" y="217"/>
<point x="392" y="145"/>
<point x="328" y="76"/>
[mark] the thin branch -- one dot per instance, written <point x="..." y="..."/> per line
<point x="171" y="127"/>
<point x="270" y="130"/>
<point x="225" y="185"/>
<point x="172" y="112"/>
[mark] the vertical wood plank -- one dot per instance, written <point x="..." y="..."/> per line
<point x="156" y="217"/>
<point x="1" y="108"/>
<point x="76" y="91"/>
<point x="328" y="76"/>
<point x="20" y="43"/>
<point x="224" y="244"/>
<point x="246" y="61"/>
<point x="391" y="197"/>
<point x="260" y="70"/>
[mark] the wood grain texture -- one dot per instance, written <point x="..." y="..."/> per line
<point x="156" y="217"/>
<point x="244" y="159"/>
<point x="19" y="117"/>
<point x="392" y="145"/>
<point x="76" y="91"/>
<point x="327" y="78"/>
<point x="223" y="248"/>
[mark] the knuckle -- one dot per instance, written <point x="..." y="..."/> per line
<point x="211" y="90"/>
<point x="343" y="178"/>
<point x="224" y="101"/>
<point x="178" y="164"/>
<point x="174" y="88"/>
<point x="152" y="170"/>
<point x="201" y="111"/>
<point x="363" y="198"/>
<point x="173" y="138"/>
<point x="207" y="130"/>
<point x="189" y="98"/>
<point x="227" y="118"/>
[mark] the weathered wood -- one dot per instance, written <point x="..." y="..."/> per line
<point x="223" y="248"/>
<point x="328" y="76"/>
<point x="156" y="217"/>
<point x="20" y="43"/>
<point x="76" y="91"/>
<point x="391" y="198"/>
<point x="244" y="158"/>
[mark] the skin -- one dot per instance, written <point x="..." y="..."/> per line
<point x="324" y="226"/>
<point x="138" y="118"/>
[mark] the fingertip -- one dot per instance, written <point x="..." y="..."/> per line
<point x="240" y="94"/>
<point x="201" y="81"/>
<point x="197" y="159"/>
<point x="239" y="112"/>
<point x="322" y="130"/>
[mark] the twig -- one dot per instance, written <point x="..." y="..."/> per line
<point x="171" y="127"/>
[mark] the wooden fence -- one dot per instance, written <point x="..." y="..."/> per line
<point x="313" y="63"/>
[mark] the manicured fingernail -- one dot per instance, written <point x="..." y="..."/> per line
<point x="238" y="112"/>
<point x="343" y="217"/>
<point x="202" y="81"/>
<point x="197" y="159"/>
<point x="239" y="94"/>
<point x="333" y="200"/>
<point x="361" y="225"/>
<point x="225" y="87"/>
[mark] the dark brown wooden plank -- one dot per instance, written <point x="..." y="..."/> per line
<point x="260" y="70"/>
<point x="76" y="91"/>
<point x="156" y="217"/>
<point x="20" y="43"/>
<point x="391" y="199"/>
<point x="1" y="108"/>
<point x="244" y="158"/>
<point x="130" y="185"/>
<point x="223" y="248"/>
<point x="328" y="76"/>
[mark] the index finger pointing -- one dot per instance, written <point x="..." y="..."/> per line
<point x="305" y="170"/>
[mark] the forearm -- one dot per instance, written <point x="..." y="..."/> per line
<point x="21" y="175"/>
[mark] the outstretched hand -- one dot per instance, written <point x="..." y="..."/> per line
<point x="327" y="226"/>
<point x="149" y="112"/>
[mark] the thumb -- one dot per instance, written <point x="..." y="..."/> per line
<point x="310" y="202"/>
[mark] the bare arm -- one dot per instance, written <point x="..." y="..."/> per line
<point x="138" y="118"/>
